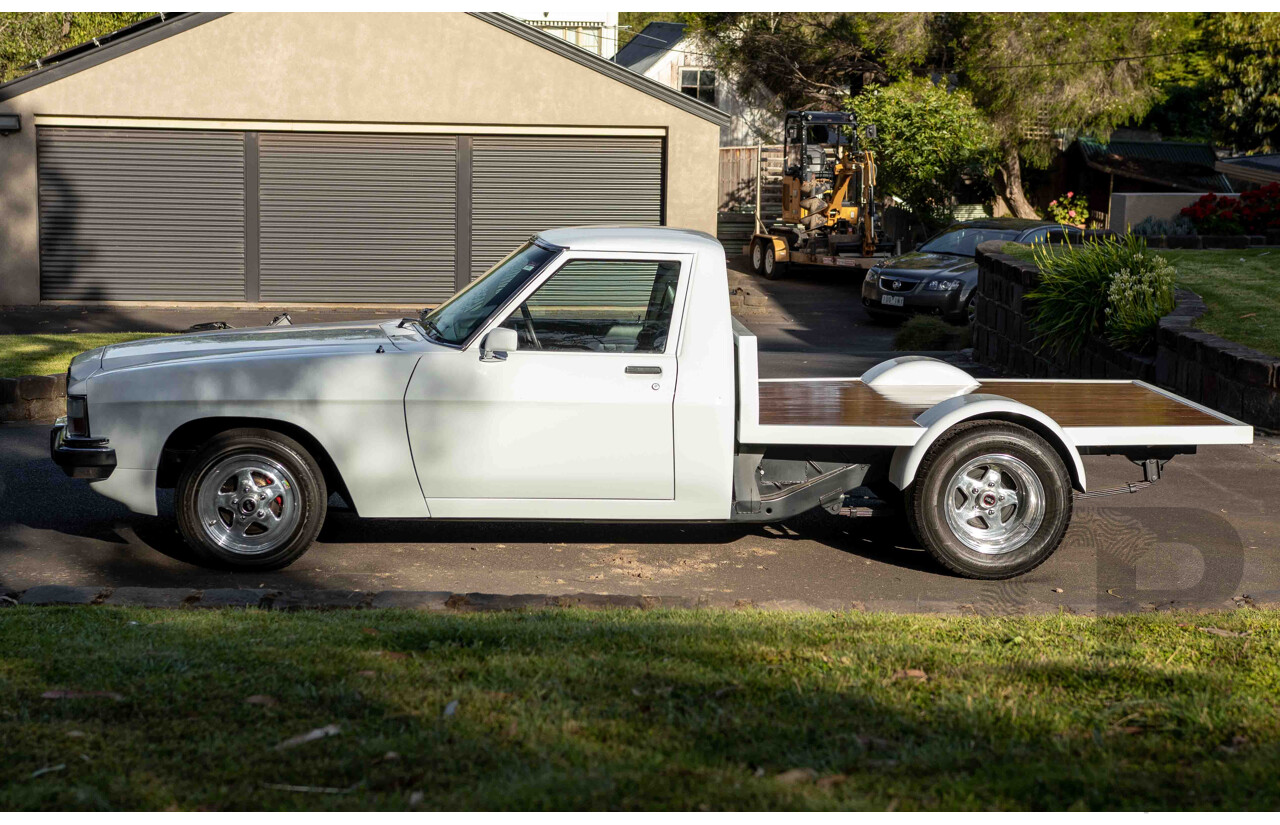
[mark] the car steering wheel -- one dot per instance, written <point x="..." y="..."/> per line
<point x="528" y="326"/>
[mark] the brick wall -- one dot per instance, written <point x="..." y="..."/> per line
<point x="1200" y="366"/>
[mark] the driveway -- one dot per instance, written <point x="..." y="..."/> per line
<point x="1205" y="536"/>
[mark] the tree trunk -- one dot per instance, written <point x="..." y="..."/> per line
<point x="1010" y="198"/>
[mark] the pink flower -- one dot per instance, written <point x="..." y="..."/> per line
<point x="1053" y="203"/>
<point x="1071" y="194"/>
<point x="1072" y="213"/>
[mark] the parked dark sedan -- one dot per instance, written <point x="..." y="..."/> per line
<point x="939" y="277"/>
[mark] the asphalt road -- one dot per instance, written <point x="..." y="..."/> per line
<point x="1208" y="535"/>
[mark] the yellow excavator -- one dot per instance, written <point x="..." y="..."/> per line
<point x="828" y="199"/>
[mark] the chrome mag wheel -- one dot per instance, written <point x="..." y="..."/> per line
<point x="994" y="503"/>
<point x="249" y="504"/>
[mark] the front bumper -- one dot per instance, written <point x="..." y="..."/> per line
<point x="949" y="304"/>
<point x="80" y="457"/>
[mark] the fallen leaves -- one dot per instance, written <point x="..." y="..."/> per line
<point x="50" y="769"/>
<point x="82" y="694"/>
<point x="797" y="776"/>
<point x="911" y="673"/>
<point x="1218" y="631"/>
<point x="309" y="736"/>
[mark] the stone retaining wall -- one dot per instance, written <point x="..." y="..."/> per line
<point x="1221" y="374"/>
<point x="33" y="398"/>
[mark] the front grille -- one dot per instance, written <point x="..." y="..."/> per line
<point x="890" y="283"/>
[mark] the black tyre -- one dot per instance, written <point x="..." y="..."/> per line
<point x="250" y="499"/>
<point x="757" y="257"/>
<point x="990" y="500"/>
<point x="772" y="268"/>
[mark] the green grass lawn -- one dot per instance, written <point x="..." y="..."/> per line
<point x="50" y="354"/>
<point x="1241" y="287"/>
<point x="662" y="709"/>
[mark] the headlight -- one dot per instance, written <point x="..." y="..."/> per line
<point x="872" y="274"/>
<point x="78" y="416"/>
<point x="943" y="286"/>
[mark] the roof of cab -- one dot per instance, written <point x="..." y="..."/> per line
<point x="632" y="239"/>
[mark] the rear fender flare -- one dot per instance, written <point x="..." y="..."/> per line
<point x="941" y="417"/>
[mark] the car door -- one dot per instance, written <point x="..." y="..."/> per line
<point x="581" y="409"/>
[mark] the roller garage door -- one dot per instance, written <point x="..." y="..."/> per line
<point x="522" y="185"/>
<point x="296" y="217"/>
<point x="360" y="218"/>
<point x="131" y="214"/>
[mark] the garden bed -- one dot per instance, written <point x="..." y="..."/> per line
<point x="1222" y="374"/>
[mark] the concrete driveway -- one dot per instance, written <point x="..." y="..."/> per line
<point x="1206" y="536"/>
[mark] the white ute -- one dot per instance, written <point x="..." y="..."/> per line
<point x="594" y="374"/>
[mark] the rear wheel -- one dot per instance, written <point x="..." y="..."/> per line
<point x="991" y="500"/>
<point x="772" y="268"/>
<point x="250" y="499"/>
<point x="757" y="257"/>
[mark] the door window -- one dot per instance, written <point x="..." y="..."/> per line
<point x="600" y="306"/>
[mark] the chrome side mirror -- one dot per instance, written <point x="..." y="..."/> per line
<point x="498" y="343"/>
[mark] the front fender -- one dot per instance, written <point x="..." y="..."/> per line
<point x="944" y="415"/>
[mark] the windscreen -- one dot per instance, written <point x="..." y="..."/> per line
<point x="454" y="321"/>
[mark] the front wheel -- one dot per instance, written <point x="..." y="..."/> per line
<point x="250" y="499"/>
<point x="991" y="500"/>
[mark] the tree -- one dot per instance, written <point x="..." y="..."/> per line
<point x="28" y="36"/>
<point x="926" y="138"/>
<point x="1243" y="50"/>
<point x="811" y="60"/>
<point x="1030" y="73"/>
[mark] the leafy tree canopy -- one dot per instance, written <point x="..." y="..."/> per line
<point x="1244" y="78"/>
<point x="926" y="138"/>
<point x="28" y="36"/>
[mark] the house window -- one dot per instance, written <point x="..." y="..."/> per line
<point x="699" y="83"/>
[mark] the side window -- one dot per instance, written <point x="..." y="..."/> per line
<point x="600" y="306"/>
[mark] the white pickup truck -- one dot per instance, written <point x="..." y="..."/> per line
<point x="594" y="374"/>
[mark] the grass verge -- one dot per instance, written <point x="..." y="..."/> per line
<point x="623" y="710"/>
<point x="925" y="332"/>
<point x="1241" y="288"/>
<point x="50" y="354"/>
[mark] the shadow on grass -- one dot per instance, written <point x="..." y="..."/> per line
<point x="569" y="710"/>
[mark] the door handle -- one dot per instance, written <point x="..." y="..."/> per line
<point x="644" y="370"/>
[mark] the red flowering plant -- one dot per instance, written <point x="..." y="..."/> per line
<point x="1069" y="210"/>
<point x="1252" y="213"/>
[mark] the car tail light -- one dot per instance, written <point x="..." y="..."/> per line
<point x="78" y="416"/>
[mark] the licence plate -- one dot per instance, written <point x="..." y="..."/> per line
<point x="892" y="300"/>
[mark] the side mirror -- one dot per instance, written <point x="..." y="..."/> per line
<point x="498" y="343"/>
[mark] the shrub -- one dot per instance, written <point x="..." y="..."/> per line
<point x="1076" y="299"/>
<point x="1152" y="226"/>
<point x="1070" y="209"/>
<point x="1135" y="301"/>
<point x="926" y="332"/>
<point x="1252" y="213"/>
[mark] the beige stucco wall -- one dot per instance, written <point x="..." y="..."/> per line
<point x="446" y="68"/>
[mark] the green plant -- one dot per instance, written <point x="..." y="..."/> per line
<point x="1074" y="298"/>
<point x="1071" y="209"/>
<point x="1135" y="301"/>
<point x="1151" y="226"/>
<point x="922" y="333"/>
